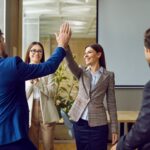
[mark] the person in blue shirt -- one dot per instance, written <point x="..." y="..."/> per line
<point x="14" y="112"/>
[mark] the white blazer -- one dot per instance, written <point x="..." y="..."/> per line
<point x="48" y="108"/>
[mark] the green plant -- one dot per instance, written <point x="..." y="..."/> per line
<point x="66" y="88"/>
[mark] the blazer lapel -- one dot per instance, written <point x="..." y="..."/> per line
<point x="101" y="79"/>
<point x="87" y="81"/>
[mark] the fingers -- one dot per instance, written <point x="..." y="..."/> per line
<point x="56" y="35"/>
<point x="64" y="35"/>
<point x="65" y="28"/>
<point x="114" y="138"/>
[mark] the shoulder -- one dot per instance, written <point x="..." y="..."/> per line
<point x="13" y="61"/>
<point x="110" y="73"/>
<point x="147" y="85"/>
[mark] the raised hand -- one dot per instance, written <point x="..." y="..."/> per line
<point x="64" y="35"/>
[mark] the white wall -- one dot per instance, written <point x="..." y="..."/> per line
<point x="2" y="15"/>
<point x="121" y="27"/>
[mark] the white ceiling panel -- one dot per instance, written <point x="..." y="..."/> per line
<point x="81" y="14"/>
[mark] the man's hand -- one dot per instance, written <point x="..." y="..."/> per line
<point x="64" y="35"/>
<point x="147" y="55"/>
<point x="114" y="147"/>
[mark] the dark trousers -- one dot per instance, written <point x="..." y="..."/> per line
<point x="24" y="144"/>
<point x="90" y="138"/>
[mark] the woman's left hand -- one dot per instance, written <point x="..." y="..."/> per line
<point x="114" y="138"/>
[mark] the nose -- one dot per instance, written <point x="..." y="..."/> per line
<point x="85" y="55"/>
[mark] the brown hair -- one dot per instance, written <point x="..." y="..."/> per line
<point x="147" y="39"/>
<point x="27" y="58"/>
<point x="3" y="51"/>
<point x="1" y="33"/>
<point x="98" y="48"/>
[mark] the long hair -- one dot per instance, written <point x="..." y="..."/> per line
<point x="98" y="48"/>
<point x="147" y="39"/>
<point x="3" y="52"/>
<point x="27" y="58"/>
<point x="1" y="33"/>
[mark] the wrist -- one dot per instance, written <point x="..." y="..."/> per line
<point x="61" y="45"/>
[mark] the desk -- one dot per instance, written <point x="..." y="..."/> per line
<point x="126" y="119"/>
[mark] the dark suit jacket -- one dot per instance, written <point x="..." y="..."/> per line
<point x="139" y="135"/>
<point x="14" y="113"/>
<point x="93" y="98"/>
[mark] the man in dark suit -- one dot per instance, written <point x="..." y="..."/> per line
<point x="14" y="112"/>
<point x="139" y="135"/>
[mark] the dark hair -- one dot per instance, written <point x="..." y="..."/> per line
<point x="147" y="39"/>
<point x="27" y="58"/>
<point x="3" y="52"/>
<point x="98" y="48"/>
<point x="1" y="33"/>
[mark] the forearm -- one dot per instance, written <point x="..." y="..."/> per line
<point x="111" y="104"/>
<point x="73" y="66"/>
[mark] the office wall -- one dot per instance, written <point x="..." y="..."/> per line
<point x="121" y="25"/>
<point x="2" y="15"/>
<point x="13" y="26"/>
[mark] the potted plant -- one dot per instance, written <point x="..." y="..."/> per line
<point x="66" y="87"/>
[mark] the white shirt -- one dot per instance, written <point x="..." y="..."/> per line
<point x="36" y="93"/>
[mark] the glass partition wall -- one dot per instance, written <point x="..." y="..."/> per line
<point x="42" y="18"/>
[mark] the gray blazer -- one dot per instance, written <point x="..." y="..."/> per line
<point x="93" y="99"/>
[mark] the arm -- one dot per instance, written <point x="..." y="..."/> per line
<point x="73" y="66"/>
<point x="32" y="71"/>
<point x="28" y="71"/>
<point x="140" y="132"/>
<point x="112" y="109"/>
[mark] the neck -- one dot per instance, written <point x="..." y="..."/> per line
<point x="95" y="67"/>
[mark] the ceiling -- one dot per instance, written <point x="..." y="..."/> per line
<point x="49" y="14"/>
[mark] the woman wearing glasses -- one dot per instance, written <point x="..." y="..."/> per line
<point x="40" y="92"/>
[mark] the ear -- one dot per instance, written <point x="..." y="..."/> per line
<point x="99" y="54"/>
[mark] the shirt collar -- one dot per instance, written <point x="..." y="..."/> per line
<point x="100" y="70"/>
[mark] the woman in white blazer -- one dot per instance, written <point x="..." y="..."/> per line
<point x="40" y="92"/>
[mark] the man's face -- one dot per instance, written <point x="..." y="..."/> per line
<point x="2" y="45"/>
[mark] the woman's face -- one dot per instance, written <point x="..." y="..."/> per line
<point x="91" y="57"/>
<point x="35" y="54"/>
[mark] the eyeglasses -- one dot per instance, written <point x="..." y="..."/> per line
<point x="33" y="51"/>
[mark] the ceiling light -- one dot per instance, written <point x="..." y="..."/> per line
<point x="38" y="11"/>
<point x="76" y="9"/>
<point x="74" y="1"/>
<point x="77" y="23"/>
<point x="37" y="2"/>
